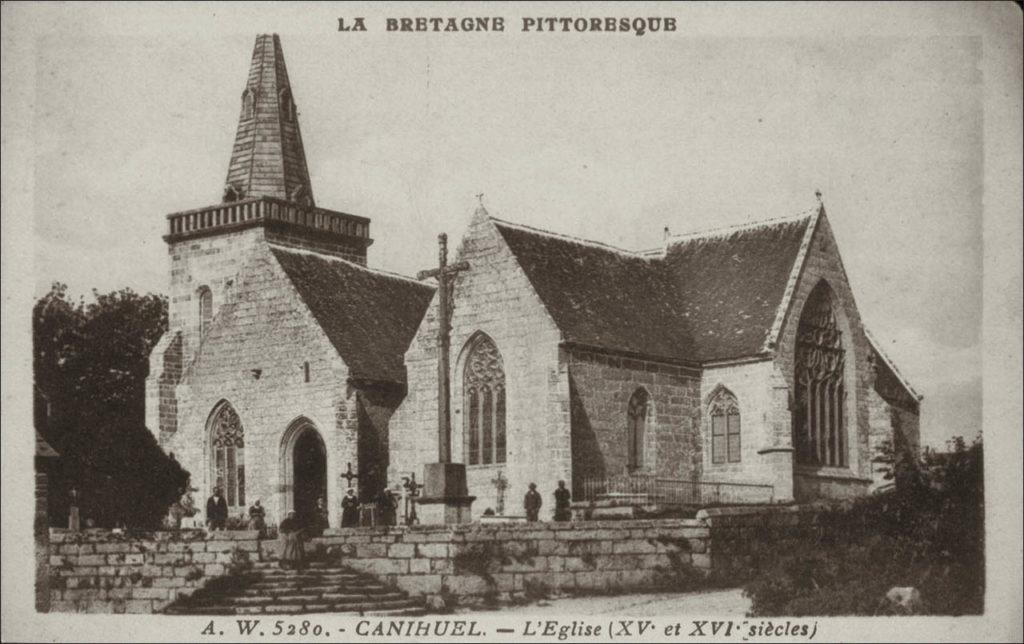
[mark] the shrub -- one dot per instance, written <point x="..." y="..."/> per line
<point x="927" y="532"/>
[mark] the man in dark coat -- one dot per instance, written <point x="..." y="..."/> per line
<point x="216" y="510"/>
<point x="563" y="497"/>
<point x="350" y="510"/>
<point x="532" y="503"/>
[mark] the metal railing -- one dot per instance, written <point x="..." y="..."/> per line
<point x="646" y="489"/>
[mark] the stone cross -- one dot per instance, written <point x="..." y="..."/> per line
<point x="444" y="274"/>
<point x="349" y="475"/>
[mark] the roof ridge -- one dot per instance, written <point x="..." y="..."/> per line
<point x="724" y="230"/>
<point x="571" y="238"/>
<point x="334" y="258"/>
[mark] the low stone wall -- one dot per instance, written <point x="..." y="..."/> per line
<point x="500" y="560"/>
<point x="106" y="572"/>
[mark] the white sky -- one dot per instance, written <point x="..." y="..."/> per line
<point x="739" y="115"/>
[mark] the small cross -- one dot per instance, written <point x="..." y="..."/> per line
<point x="349" y="475"/>
<point x="480" y="198"/>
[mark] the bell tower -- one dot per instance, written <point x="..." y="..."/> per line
<point x="267" y="199"/>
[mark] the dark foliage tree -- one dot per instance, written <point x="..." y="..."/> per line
<point x="90" y="363"/>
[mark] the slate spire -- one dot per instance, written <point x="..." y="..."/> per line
<point x="268" y="159"/>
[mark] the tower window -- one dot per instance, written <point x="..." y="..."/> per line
<point x="205" y="310"/>
<point x="248" y="104"/>
<point x="287" y="106"/>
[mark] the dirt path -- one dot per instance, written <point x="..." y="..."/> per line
<point x="714" y="603"/>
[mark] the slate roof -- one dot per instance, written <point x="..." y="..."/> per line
<point x="369" y="316"/>
<point x="708" y="296"/>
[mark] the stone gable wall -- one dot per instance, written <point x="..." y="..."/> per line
<point x="600" y="389"/>
<point x="823" y="262"/>
<point x="493" y="297"/>
<point x="266" y="327"/>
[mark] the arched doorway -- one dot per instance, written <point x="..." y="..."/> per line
<point x="309" y="472"/>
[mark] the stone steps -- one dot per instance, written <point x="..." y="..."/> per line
<point x="403" y="606"/>
<point x="320" y="587"/>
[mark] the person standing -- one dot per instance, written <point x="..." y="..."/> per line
<point x="293" y="554"/>
<point x="563" y="499"/>
<point x="320" y="517"/>
<point x="216" y="510"/>
<point x="350" y="510"/>
<point x="532" y="503"/>
<point x="386" y="505"/>
<point x="257" y="518"/>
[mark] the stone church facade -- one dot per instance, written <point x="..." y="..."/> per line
<point x="730" y="356"/>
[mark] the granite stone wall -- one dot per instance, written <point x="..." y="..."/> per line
<point x="823" y="263"/>
<point x="498" y="560"/>
<point x="99" y="571"/>
<point x="494" y="298"/>
<point x="600" y="390"/>
<point x="254" y="357"/>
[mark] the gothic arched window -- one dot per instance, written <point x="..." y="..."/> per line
<point x="227" y="442"/>
<point x="484" y="393"/>
<point x="819" y="425"/>
<point x="205" y="310"/>
<point x="724" y="413"/>
<point x="636" y="427"/>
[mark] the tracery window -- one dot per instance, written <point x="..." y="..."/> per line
<point x="724" y="413"/>
<point x="484" y="393"/>
<point x="819" y="423"/>
<point x="205" y="310"/>
<point x="228" y="458"/>
<point x="636" y="427"/>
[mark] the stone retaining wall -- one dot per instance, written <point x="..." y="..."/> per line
<point x="100" y="571"/>
<point x="501" y="560"/>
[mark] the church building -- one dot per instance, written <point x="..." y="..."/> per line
<point x="729" y="365"/>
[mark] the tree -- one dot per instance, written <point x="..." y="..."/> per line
<point x="90" y="362"/>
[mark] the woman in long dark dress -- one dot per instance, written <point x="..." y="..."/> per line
<point x="350" y="510"/>
<point x="293" y="554"/>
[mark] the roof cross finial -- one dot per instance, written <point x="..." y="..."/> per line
<point x="817" y="193"/>
<point x="480" y="198"/>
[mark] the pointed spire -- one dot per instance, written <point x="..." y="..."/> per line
<point x="268" y="159"/>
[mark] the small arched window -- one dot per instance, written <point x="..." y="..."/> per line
<point x="227" y="439"/>
<point x="287" y="107"/>
<point x="637" y="414"/>
<point x="724" y="413"/>
<point x="205" y="310"/>
<point x="484" y="393"/>
<point x="248" y="104"/>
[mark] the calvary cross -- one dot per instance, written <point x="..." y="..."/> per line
<point x="445" y="304"/>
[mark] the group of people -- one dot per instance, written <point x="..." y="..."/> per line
<point x="563" y="502"/>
